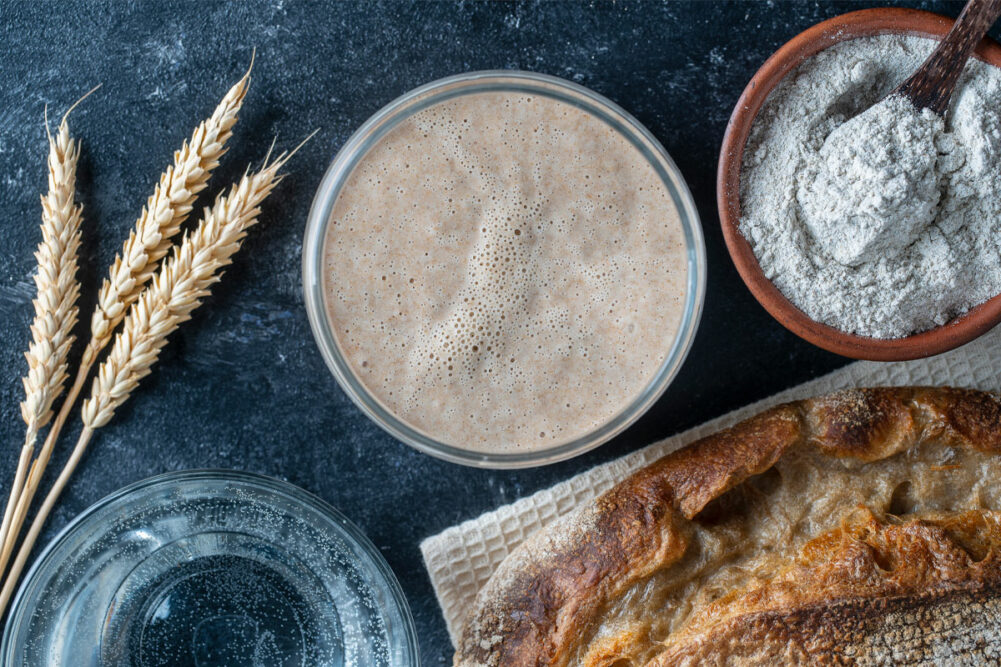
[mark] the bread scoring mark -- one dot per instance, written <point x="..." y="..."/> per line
<point x="712" y="466"/>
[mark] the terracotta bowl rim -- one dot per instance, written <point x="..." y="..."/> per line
<point x="862" y="23"/>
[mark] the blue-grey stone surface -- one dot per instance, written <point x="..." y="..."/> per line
<point x="243" y="385"/>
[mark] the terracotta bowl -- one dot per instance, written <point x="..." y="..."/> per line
<point x="863" y="23"/>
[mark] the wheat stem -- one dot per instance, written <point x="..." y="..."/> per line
<point x="10" y="582"/>
<point x="15" y="490"/>
<point x="55" y="309"/>
<point x="31" y="483"/>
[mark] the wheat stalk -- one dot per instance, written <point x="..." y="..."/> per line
<point x="167" y="208"/>
<point x="160" y="220"/>
<point x="175" y="291"/>
<point x="55" y="304"/>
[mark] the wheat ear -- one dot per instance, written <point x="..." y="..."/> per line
<point x="161" y="219"/>
<point x="55" y="304"/>
<point x="176" y="290"/>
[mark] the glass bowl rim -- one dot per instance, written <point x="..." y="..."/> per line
<point x="371" y="131"/>
<point x="47" y="559"/>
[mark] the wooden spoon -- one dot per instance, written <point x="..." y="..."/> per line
<point x="931" y="86"/>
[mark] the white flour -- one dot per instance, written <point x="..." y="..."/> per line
<point x="873" y="187"/>
<point x="890" y="224"/>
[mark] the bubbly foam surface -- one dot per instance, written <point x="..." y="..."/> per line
<point x="505" y="272"/>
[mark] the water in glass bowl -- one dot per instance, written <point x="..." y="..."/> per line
<point x="211" y="569"/>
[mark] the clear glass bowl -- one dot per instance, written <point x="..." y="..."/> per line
<point x="210" y="568"/>
<point x="509" y="81"/>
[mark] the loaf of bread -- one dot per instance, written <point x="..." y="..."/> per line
<point x="863" y="527"/>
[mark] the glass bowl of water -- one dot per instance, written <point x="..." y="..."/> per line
<point x="210" y="568"/>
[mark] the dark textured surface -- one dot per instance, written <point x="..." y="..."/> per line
<point x="243" y="385"/>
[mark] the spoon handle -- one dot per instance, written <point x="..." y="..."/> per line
<point x="931" y="86"/>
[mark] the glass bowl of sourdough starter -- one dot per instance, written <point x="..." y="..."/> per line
<point x="403" y="297"/>
<point x="210" y="568"/>
<point x="854" y="25"/>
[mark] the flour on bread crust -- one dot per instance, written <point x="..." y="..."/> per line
<point x="645" y="573"/>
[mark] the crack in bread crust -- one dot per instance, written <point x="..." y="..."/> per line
<point x="700" y="522"/>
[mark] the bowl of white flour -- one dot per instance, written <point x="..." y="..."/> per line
<point x="864" y="225"/>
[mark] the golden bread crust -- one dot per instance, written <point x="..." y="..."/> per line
<point x="858" y="591"/>
<point x="576" y="593"/>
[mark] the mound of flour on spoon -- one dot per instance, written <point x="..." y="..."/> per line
<point x="871" y="216"/>
<point x="873" y="187"/>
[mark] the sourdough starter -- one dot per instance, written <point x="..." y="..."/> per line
<point x="504" y="272"/>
